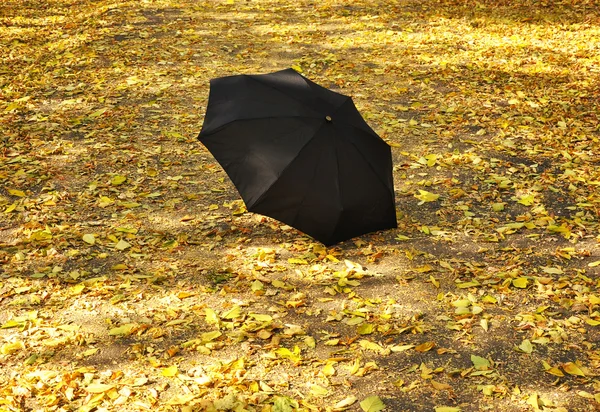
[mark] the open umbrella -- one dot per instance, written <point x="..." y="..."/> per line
<point x="301" y="154"/>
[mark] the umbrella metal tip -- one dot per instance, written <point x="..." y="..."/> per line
<point x="328" y="118"/>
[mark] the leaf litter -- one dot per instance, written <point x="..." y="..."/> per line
<point x="133" y="278"/>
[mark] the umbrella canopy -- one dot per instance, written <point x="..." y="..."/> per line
<point x="301" y="154"/>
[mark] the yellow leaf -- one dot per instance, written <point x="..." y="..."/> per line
<point x="425" y="196"/>
<point x="260" y="317"/>
<point x="233" y="313"/>
<point x="552" y="370"/>
<point x="98" y="112"/>
<point x="89" y="238"/>
<point x="372" y="346"/>
<point x="16" y="192"/>
<point x="77" y="289"/>
<point x="526" y="346"/>
<point x="278" y="284"/>
<point x="98" y="388"/>
<point x="11" y="208"/>
<point x="534" y="401"/>
<point x="594" y="264"/>
<point x="285" y="353"/>
<point x="344" y="403"/>
<point x="210" y="336"/>
<point x="526" y="200"/>
<point x="310" y="342"/>
<point x="319" y="391"/>
<point x="520" y="283"/>
<point x="211" y="316"/>
<point x="480" y="363"/>
<point x="123" y="330"/>
<point x="13" y="323"/>
<point x="328" y="369"/>
<point x="484" y="324"/>
<point x="118" y="180"/>
<point x="552" y="271"/>
<point x="461" y="303"/>
<point x="401" y="348"/>
<point x="431" y="159"/>
<point x="592" y="322"/>
<point x="90" y="352"/>
<point x="10" y="348"/>
<point x="372" y="404"/>
<point x="425" y="347"/>
<point x="572" y="369"/>
<point x="170" y="371"/>
<point x="122" y="245"/>
<point x="365" y="329"/>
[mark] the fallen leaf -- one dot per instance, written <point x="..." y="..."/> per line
<point x="98" y="388"/>
<point x="425" y="347"/>
<point x="526" y="346"/>
<point x="16" y="192"/>
<point x="118" y="180"/>
<point x="425" y="196"/>
<point x="122" y="245"/>
<point x="89" y="238"/>
<point x="318" y="391"/>
<point x="401" y="348"/>
<point x="170" y="371"/>
<point x="520" y="283"/>
<point x="123" y="330"/>
<point x="480" y="363"/>
<point x="572" y="369"/>
<point x="372" y="404"/>
<point x="440" y="386"/>
<point x="344" y="403"/>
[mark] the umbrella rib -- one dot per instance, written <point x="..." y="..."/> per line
<point x="286" y="168"/>
<point x="364" y="158"/>
<point x="256" y="79"/>
<point x="306" y="193"/>
<point x="266" y="162"/>
<point x="340" y="199"/>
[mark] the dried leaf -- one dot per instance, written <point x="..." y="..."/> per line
<point x="89" y="238"/>
<point x="425" y="196"/>
<point x="425" y="347"/>
<point x="170" y="371"/>
<point x="98" y="388"/>
<point x="123" y="330"/>
<point x="572" y="369"/>
<point x="372" y="404"/>
<point x="526" y="346"/>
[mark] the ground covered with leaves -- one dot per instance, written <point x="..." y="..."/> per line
<point x="133" y="279"/>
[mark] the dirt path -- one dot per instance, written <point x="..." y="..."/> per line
<point x="133" y="279"/>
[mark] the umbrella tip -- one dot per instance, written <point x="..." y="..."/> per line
<point x="328" y="118"/>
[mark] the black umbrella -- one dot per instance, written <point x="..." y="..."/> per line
<point x="301" y="154"/>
